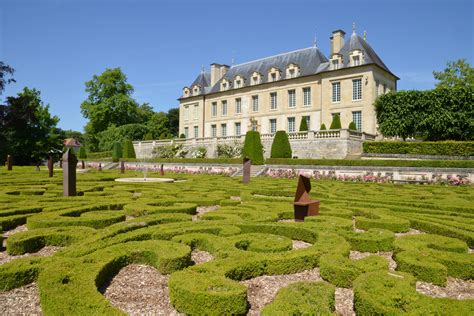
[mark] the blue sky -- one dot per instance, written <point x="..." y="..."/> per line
<point x="58" y="45"/>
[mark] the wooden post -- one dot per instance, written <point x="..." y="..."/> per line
<point x="50" y="166"/>
<point x="122" y="166"/>
<point x="69" y="173"/>
<point x="162" y="171"/>
<point x="83" y="164"/>
<point x="9" y="163"/>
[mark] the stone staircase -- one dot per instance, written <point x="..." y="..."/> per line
<point x="110" y="165"/>
<point x="255" y="171"/>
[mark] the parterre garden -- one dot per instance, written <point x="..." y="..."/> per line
<point x="111" y="225"/>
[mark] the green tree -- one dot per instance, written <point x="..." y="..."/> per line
<point x="281" y="147"/>
<point x="5" y="71"/>
<point x="109" y="103"/>
<point x="107" y="138"/>
<point x="456" y="74"/>
<point x="336" y="122"/>
<point x="253" y="148"/>
<point x="148" y="136"/>
<point x="128" y="150"/>
<point x="158" y="124"/>
<point x="173" y="119"/>
<point x="28" y="131"/>
<point x="303" y="124"/>
<point x="82" y="154"/>
<point x="117" y="152"/>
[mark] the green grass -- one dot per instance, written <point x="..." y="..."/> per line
<point x="110" y="225"/>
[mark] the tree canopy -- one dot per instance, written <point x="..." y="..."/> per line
<point x="28" y="131"/>
<point x="456" y="74"/>
<point x="5" y="71"/>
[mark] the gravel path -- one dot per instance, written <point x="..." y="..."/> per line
<point x="139" y="290"/>
<point x="44" y="252"/>
<point x="21" y="301"/>
<point x="455" y="288"/>
<point x="408" y="233"/>
<point x="262" y="290"/>
<point x="299" y="244"/>
<point x="203" y="210"/>
<point x="344" y="301"/>
<point x="199" y="256"/>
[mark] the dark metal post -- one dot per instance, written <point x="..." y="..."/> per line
<point x="122" y="166"/>
<point x="83" y="164"/>
<point x="9" y="163"/>
<point x="50" y="165"/>
<point x="246" y="170"/>
<point x="100" y="166"/>
<point x="69" y="173"/>
<point x="162" y="171"/>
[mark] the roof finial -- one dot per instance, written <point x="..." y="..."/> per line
<point x="365" y="35"/>
<point x="315" y="42"/>
<point x="233" y="58"/>
<point x="202" y="69"/>
<point x="353" y="27"/>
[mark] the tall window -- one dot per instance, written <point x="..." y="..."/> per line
<point x="357" y="119"/>
<point x="356" y="89"/>
<point x="291" y="98"/>
<point x="273" y="101"/>
<point x="308" y="121"/>
<point x="238" y="105"/>
<point x="196" y="132"/>
<point x="223" y="130"/>
<point x="335" y="64"/>
<point x="224" y="108"/>
<point x="336" y="92"/>
<point x="186" y="132"/>
<point x="237" y="84"/>
<point x="291" y="124"/>
<point x="213" y="130"/>
<point x="356" y="60"/>
<point x="306" y="96"/>
<point x="273" y="76"/>
<point x="273" y="126"/>
<point x="255" y="103"/>
<point x="238" y="129"/>
<point x="214" y="109"/>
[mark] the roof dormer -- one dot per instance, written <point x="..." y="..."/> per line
<point x="336" y="61"/>
<point x="274" y="74"/>
<point x="356" y="57"/>
<point x="186" y="92"/>
<point x="238" y="81"/>
<point x="225" y="84"/>
<point x="292" y="70"/>
<point x="256" y="78"/>
<point x="196" y="90"/>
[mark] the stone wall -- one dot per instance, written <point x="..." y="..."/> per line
<point x="331" y="144"/>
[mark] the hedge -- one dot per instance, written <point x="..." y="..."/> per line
<point x="303" y="298"/>
<point x="253" y="148"/>
<point x="443" y="148"/>
<point x="281" y="147"/>
<point x="98" y="155"/>
<point x="375" y="163"/>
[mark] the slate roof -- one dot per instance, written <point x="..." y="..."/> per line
<point x="310" y="60"/>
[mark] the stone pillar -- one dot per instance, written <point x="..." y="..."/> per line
<point x="9" y="163"/>
<point x="50" y="166"/>
<point x="69" y="173"/>
<point x="122" y="166"/>
<point x="246" y="170"/>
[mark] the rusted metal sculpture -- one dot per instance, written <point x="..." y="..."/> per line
<point x="122" y="166"/>
<point x="303" y="204"/>
<point x="50" y="166"/>
<point x="83" y="164"/>
<point x="9" y="163"/>
<point x="69" y="173"/>
<point x="100" y="166"/>
<point x="246" y="170"/>
<point x="162" y="171"/>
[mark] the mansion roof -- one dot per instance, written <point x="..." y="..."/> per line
<point x="309" y="61"/>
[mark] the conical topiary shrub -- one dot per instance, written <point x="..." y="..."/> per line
<point x="117" y="152"/>
<point x="128" y="150"/>
<point x="303" y="125"/>
<point x="352" y="126"/>
<point x="323" y="127"/>
<point x="253" y="148"/>
<point x="148" y="136"/>
<point x="82" y="153"/>
<point x="336" y="122"/>
<point x="281" y="147"/>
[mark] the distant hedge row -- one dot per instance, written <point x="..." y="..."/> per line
<point x="447" y="148"/>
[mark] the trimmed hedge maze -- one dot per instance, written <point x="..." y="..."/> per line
<point x="110" y="225"/>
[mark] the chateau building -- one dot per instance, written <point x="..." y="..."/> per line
<point x="277" y="92"/>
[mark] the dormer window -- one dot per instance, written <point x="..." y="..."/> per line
<point x="356" y="57"/>
<point x="292" y="71"/>
<point x="225" y="85"/>
<point x="186" y="92"/>
<point x="256" y="78"/>
<point x="336" y="62"/>
<point x="238" y="82"/>
<point x="196" y="90"/>
<point x="274" y="74"/>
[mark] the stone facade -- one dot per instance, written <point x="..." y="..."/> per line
<point x="276" y="92"/>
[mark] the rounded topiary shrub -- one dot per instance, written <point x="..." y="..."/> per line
<point x="128" y="150"/>
<point x="253" y="148"/>
<point x="281" y="147"/>
<point x="323" y="127"/>
<point x="117" y="152"/>
<point x="148" y="136"/>
<point x="303" y="125"/>
<point x="336" y="122"/>
<point x="82" y="153"/>
<point x="352" y="126"/>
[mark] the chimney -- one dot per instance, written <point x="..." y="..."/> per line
<point x="337" y="41"/>
<point x="224" y="69"/>
<point x="215" y="73"/>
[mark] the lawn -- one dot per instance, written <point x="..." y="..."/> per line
<point x="418" y="235"/>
